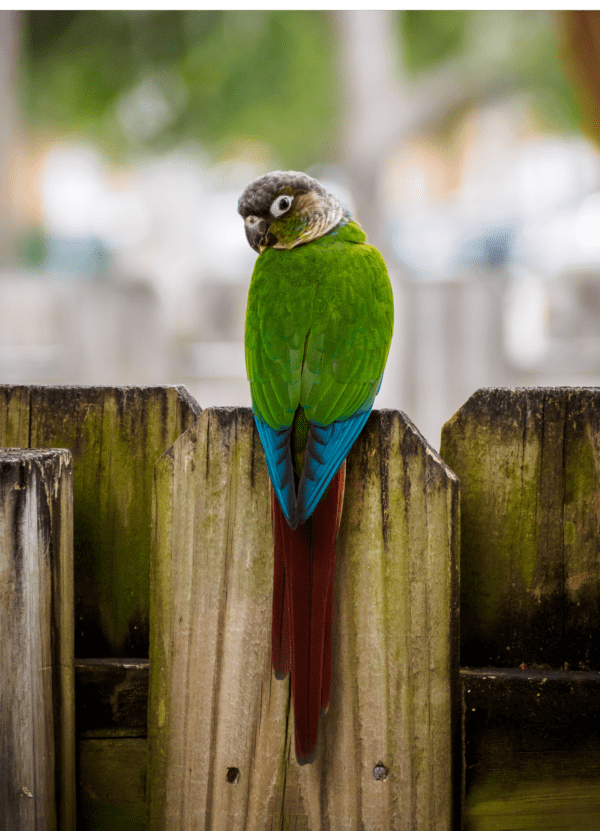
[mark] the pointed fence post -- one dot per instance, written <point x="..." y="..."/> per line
<point x="220" y="726"/>
<point x="37" y="717"/>
<point x="528" y="461"/>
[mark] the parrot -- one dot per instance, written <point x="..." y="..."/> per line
<point x="318" y="329"/>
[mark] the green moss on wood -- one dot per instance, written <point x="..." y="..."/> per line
<point x="214" y="701"/>
<point x="14" y="416"/>
<point x="524" y="790"/>
<point x="112" y="784"/>
<point x="527" y="460"/>
<point x="115" y="435"/>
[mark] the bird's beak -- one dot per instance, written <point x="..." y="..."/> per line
<point x="258" y="235"/>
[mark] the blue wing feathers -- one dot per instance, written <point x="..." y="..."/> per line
<point x="277" y="447"/>
<point x="326" y="449"/>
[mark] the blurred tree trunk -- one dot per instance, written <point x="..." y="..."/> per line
<point x="10" y="29"/>
<point x="580" y="32"/>
<point x="370" y="66"/>
<point x="384" y="106"/>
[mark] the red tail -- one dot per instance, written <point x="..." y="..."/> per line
<point x="303" y="610"/>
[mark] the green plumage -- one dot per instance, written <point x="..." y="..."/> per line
<point x="318" y="327"/>
<point x="299" y="439"/>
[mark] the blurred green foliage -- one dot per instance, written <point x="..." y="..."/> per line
<point x="520" y="46"/>
<point x="431" y="37"/>
<point x="136" y="80"/>
<point x="146" y="79"/>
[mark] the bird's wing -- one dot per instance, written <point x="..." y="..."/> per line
<point x="278" y="319"/>
<point x="345" y="357"/>
<point x="318" y="328"/>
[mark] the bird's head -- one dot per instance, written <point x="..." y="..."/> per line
<point x="283" y="209"/>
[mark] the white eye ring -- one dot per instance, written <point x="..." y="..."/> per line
<point x="281" y="205"/>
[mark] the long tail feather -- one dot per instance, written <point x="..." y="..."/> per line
<point x="304" y="573"/>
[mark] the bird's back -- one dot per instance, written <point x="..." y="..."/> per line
<point x="318" y="327"/>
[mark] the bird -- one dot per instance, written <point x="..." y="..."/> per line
<point x="318" y="328"/>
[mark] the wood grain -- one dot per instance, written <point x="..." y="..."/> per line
<point x="528" y="461"/>
<point x="529" y="467"/>
<point x="37" y="719"/>
<point x="115" y="435"/>
<point x="220" y="725"/>
<point x="14" y="416"/>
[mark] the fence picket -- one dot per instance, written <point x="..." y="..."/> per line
<point x="220" y="726"/>
<point x="37" y="739"/>
<point x="529" y="467"/>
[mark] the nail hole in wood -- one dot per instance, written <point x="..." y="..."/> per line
<point x="380" y="772"/>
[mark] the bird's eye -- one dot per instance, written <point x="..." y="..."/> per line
<point x="281" y="205"/>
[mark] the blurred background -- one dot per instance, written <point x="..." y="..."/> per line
<point x="458" y="139"/>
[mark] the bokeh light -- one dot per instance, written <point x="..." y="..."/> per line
<point x="129" y="136"/>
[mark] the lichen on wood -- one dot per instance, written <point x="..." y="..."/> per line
<point x="215" y="706"/>
<point x="115" y="435"/>
<point x="113" y="774"/>
<point x="528" y="461"/>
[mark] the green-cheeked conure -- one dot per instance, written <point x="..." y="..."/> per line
<point x="318" y="329"/>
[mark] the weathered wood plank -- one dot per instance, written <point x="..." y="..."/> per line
<point x="112" y="697"/>
<point x="115" y="435"/>
<point x="111" y="710"/>
<point x="14" y="416"/>
<point x="529" y="467"/>
<point x="112" y="784"/>
<point x="528" y="461"/>
<point x="37" y="719"/>
<point x="532" y="710"/>
<point x="532" y="749"/>
<point x="220" y="726"/>
<point x="511" y="803"/>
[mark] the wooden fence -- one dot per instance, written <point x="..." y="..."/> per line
<point x="115" y="435"/>
<point x="172" y="547"/>
<point x="528" y="461"/>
